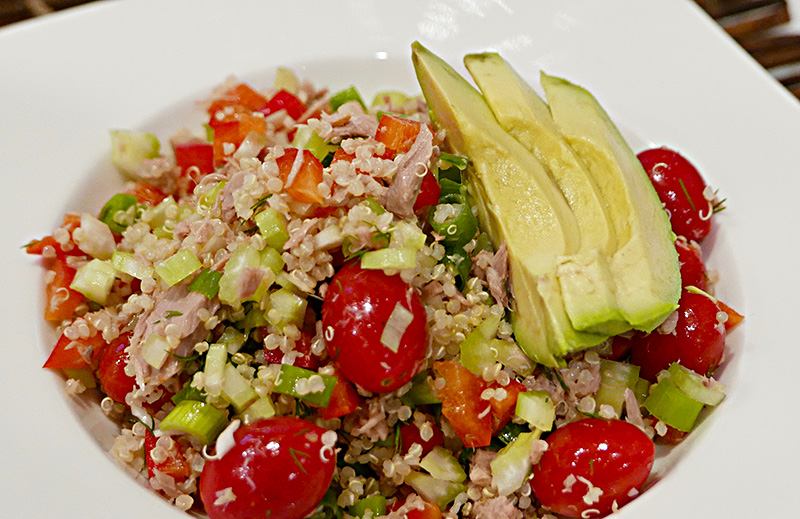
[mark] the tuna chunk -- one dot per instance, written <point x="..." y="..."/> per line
<point x="412" y="167"/>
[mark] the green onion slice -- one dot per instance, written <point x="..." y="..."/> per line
<point x="206" y="283"/>
<point x="309" y="386"/>
<point x="201" y="420"/>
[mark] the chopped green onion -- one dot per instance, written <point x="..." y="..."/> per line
<point x="206" y="283"/>
<point x="119" y="203"/>
<point x="459" y="161"/>
<point x="537" y="408"/>
<point x="94" y="280"/>
<point x="373" y="204"/>
<point x="309" y="386"/>
<point x="462" y="264"/>
<point x="178" y="267"/>
<point x="345" y="96"/>
<point x="442" y="464"/>
<point x="457" y="229"/>
<point x="375" y="503"/>
<point x="200" y="419"/>
<point x="188" y="392"/>
<point x="672" y="406"/>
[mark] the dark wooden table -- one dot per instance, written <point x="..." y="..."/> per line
<point x="755" y="24"/>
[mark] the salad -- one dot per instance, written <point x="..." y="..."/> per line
<point x="305" y="309"/>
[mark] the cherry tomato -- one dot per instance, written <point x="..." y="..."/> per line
<point x="612" y="456"/>
<point x="111" y="370"/>
<point x="344" y="399"/>
<point x="410" y="434"/>
<point x="278" y="468"/>
<point x="355" y="312"/>
<point x="429" y="192"/>
<point x="698" y="342"/>
<point x="175" y="464"/>
<point x="681" y="189"/>
<point x="283" y="100"/>
<point x="428" y="510"/>
<point x="693" y="268"/>
<point x="462" y="405"/>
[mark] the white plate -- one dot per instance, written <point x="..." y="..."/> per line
<point x="665" y="72"/>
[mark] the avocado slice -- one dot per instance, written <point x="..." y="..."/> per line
<point x="645" y="265"/>
<point x="585" y="279"/>
<point x="518" y="203"/>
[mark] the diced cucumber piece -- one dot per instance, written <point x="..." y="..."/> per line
<point x="389" y="259"/>
<point x="216" y="359"/>
<point x="692" y="384"/>
<point x="389" y="98"/>
<point x="285" y="79"/>
<point x="437" y="491"/>
<point x="178" y="267"/>
<point x="200" y="419"/>
<point x="129" y="148"/>
<point x="261" y="408"/>
<point x="236" y="389"/>
<point x="243" y="256"/>
<point x="615" y="378"/>
<point x="94" y="280"/>
<point x="84" y="376"/>
<point x="286" y="307"/>
<point x="672" y="406"/>
<point x="129" y="264"/>
<point x="512" y="465"/>
<point x="537" y="408"/>
<point x="272" y="226"/>
<point x="310" y="386"/>
<point x="442" y="464"/>
<point x="476" y="354"/>
<point x="206" y="283"/>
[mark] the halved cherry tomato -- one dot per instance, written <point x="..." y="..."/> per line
<point x="146" y="194"/>
<point x="355" y="311"/>
<point x="62" y="301"/>
<point x="410" y="434"/>
<point x="283" y="100"/>
<point x="590" y="464"/>
<point x="344" y="399"/>
<point x="698" y="342"/>
<point x="240" y="95"/>
<point x="397" y="133"/>
<point x="111" y="370"/>
<point x="302" y="186"/>
<point x="693" y="268"/>
<point x="429" y="510"/>
<point x="429" y="192"/>
<point x="73" y="354"/>
<point x="277" y="468"/>
<point x="462" y="405"/>
<point x="681" y="189"/>
<point x="503" y="409"/>
<point x="175" y="465"/>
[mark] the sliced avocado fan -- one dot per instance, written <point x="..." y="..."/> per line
<point x="518" y="204"/>
<point x="584" y="278"/>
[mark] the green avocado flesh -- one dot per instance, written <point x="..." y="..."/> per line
<point x="584" y="278"/>
<point x="534" y="193"/>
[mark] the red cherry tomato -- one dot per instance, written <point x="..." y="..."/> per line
<point x="429" y="192"/>
<point x="283" y="100"/>
<point x="175" y="464"/>
<point x="410" y="434"/>
<point x="693" y="268"/>
<point x="278" y="468"/>
<point x="355" y="313"/>
<point x="681" y="189"/>
<point x="111" y="370"/>
<point x="612" y="456"/>
<point x="698" y="342"/>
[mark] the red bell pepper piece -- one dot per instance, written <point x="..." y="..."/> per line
<point x="344" y="399"/>
<point x="462" y="405"/>
<point x="62" y="301"/>
<point x="429" y="192"/>
<point x="303" y="187"/>
<point x="503" y="409"/>
<point x="67" y="353"/>
<point x="174" y="465"/>
<point x="240" y="95"/>
<point x="397" y="133"/>
<point x="284" y="100"/>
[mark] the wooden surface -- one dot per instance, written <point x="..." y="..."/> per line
<point x="756" y="24"/>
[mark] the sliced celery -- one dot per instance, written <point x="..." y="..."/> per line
<point x="537" y="408"/>
<point x="437" y="491"/>
<point x="236" y="389"/>
<point x="272" y="226"/>
<point x="200" y="419"/>
<point x="309" y="386"/>
<point x="130" y="148"/>
<point x="206" y="283"/>
<point x="233" y="339"/>
<point x="216" y="359"/>
<point x="375" y="503"/>
<point x="188" y="392"/>
<point x="261" y="408"/>
<point x="255" y="317"/>
<point x="389" y="259"/>
<point x="127" y="263"/>
<point x="286" y="307"/>
<point x="672" y="406"/>
<point x="442" y="464"/>
<point x="94" y="280"/>
<point x="271" y="259"/>
<point x="512" y="465"/>
<point x="615" y="378"/>
<point x="178" y="267"/>
<point x="693" y="385"/>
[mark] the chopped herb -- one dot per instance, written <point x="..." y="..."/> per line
<point x="260" y="203"/>
<point x="685" y="192"/>
<point x="718" y="206"/>
<point x="173" y="313"/>
<point x="590" y="415"/>
<point x="294" y="453"/>
<point x="186" y="359"/>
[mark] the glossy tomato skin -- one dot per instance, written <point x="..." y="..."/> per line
<point x="698" y="342"/>
<point x="681" y="189"/>
<point x="614" y="456"/>
<point x="278" y="468"/>
<point x="111" y="370"/>
<point x="355" y="310"/>
<point x="693" y="268"/>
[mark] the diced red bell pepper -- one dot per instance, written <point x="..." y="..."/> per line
<point x="146" y="194"/>
<point x="284" y="100"/>
<point x="111" y="369"/>
<point x="397" y="133"/>
<point x="233" y="129"/>
<point x="462" y="405"/>
<point x="195" y="158"/>
<point x="240" y="95"/>
<point x="734" y="317"/>
<point x="344" y="399"/>
<point x="503" y="410"/>
<point x="410" y="434"/>
<point x="174" y="465"/>
<point x="71" y="222"/>
<point x="303" y="187"/>
<point x="429" y="192"/>
<point x="62" y="301"/>
<point x="67" y="353"/>
<point x="302" y="346"/>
